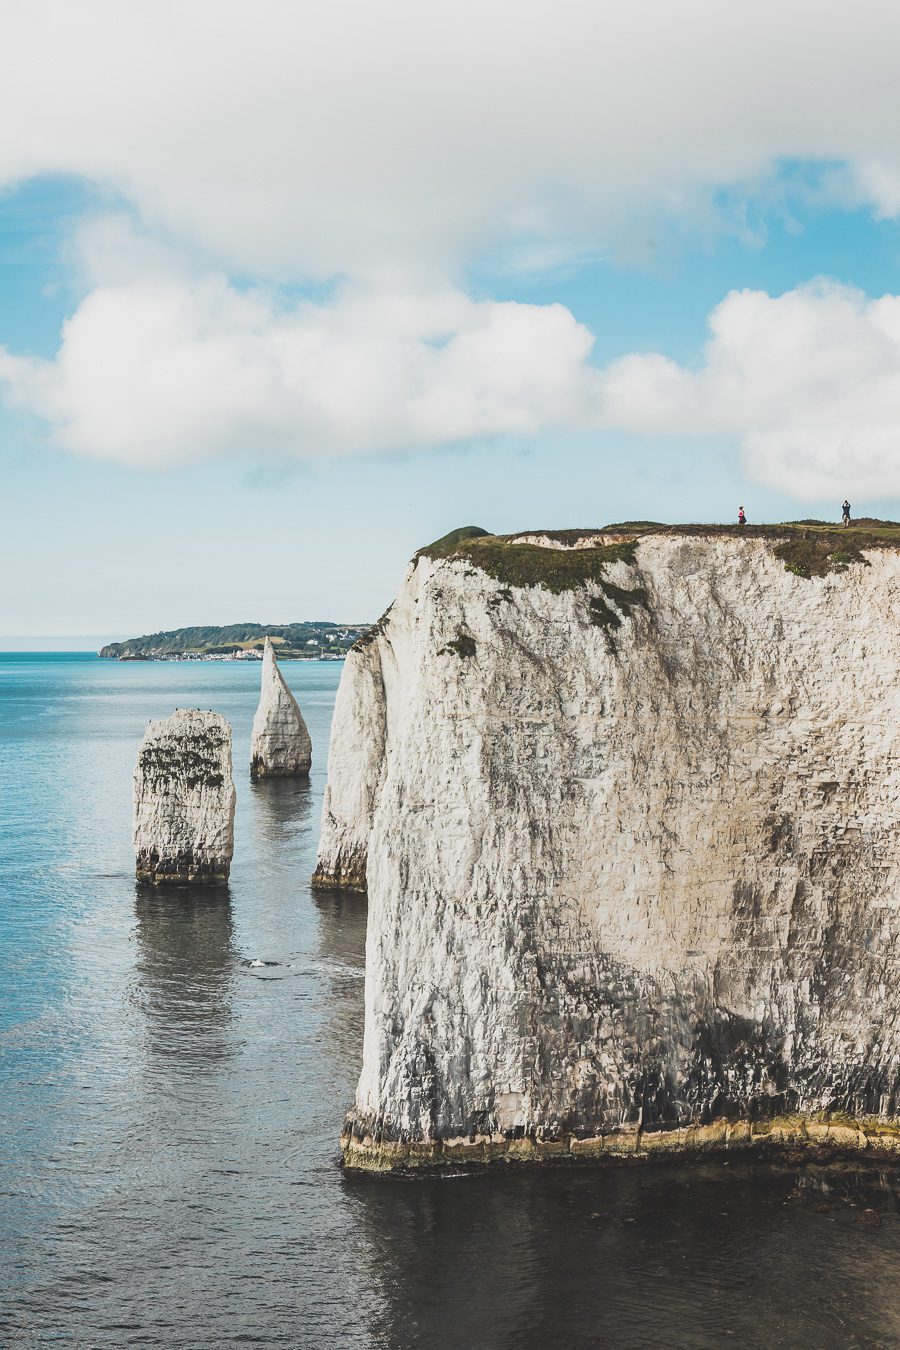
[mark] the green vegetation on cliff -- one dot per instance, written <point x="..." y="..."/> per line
<point x="507" y="559"/>
<point x="808" y="548"/>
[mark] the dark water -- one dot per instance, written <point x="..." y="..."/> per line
<point x="169" y="1116"/>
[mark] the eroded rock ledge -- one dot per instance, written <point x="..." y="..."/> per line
<point x="626" y="803"/>
<point x="344" y="871"/>
<point x="823" y="1137"/>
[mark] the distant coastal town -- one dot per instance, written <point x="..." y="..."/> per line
<point x="312" y="641"/>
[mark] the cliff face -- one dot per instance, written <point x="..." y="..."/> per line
<point x="184" y="800"/>
<point x="632" y="854"/>
<point x="280" y="745"/>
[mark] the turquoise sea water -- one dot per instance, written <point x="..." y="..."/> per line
<point x="169" y="1115"/>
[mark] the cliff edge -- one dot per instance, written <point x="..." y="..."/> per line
<point x="626" y="804"/>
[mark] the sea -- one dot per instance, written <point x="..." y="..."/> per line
<point x="170" y="1109"/>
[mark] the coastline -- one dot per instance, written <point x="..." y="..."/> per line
<point x="217" y="656"/>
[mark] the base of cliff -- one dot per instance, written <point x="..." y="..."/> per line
<point x="820" y="1137"/>
<point x="260" y="770"/>
<point x="180" y="871"/>
<point x="341" y="878"/>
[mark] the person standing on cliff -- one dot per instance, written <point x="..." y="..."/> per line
<point x="845" y="518"/>
<point x="742" y="519"/>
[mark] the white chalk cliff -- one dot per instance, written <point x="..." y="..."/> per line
<point x="184" y="800"/>
<point x="355" y="768"/>
<point x="280" y="744"/>
<point x="628" y="818"/>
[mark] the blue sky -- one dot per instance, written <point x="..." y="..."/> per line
<point x="248" y="366"/>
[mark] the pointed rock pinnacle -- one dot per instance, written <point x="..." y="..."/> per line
<point x="280" y="745"/>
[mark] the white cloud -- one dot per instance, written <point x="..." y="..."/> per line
<point x="383" y="147"/>
<point x="162" y="370"/>
<point x="808" y="382"/>
<point x="345" y="137"/>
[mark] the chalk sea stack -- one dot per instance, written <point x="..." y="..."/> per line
<point x="355" y="766"/>
<point x="184" y="800"/>
<point x="626" y="804"/>
<point x="280" y="745"/>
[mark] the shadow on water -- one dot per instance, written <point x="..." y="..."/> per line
<point x="342" y="926"/>
<point x="282" y="809"/>
<point x="282" y="821"/>
<point x="185" y="971"/>
<point x="341" y="919"/>
<point x="663" y="1255"/>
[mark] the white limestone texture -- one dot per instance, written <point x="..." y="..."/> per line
<point x="632" y="855"/>
<point x="280" y="745"/>
<point x="184" y="800"/>
<point x="355" y="764"/>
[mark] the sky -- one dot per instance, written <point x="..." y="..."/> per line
<point x="287" y="291"/>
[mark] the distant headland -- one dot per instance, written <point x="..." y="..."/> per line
<point x="313" y="641"/>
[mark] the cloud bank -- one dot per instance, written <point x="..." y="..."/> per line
<point x="342" y="137"/>
<point x="383" y="148"/>
<point x="167" y="371"/>
<point x="808" y="382"/>
<point x="161" y="372"/>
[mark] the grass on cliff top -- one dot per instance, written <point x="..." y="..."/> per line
<point x="517" y="564"/>
<point x="814" y="548"/>
<point x="806" y="547"/>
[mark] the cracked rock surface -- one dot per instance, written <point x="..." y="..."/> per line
<point x="624" y="878"/>
<point x="280" y="745"/>
<point x="184" y="800"/>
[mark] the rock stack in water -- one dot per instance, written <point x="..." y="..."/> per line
<point x="280" y="745"/>
<point x="184" y="800"/>
<point x="356" y="759"/>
